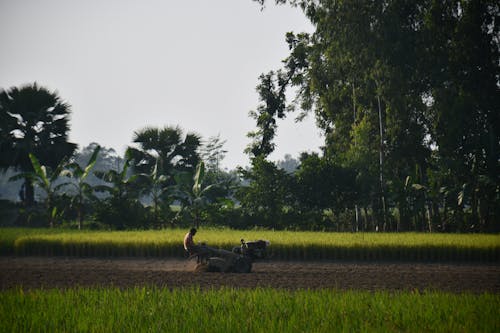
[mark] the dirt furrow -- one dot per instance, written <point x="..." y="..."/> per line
<point x="43" y="272"/>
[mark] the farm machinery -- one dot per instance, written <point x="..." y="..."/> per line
<point x="239" y="260"/>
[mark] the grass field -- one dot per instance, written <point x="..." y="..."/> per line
<point x="154" y="309"/>
<point x="261" y="310"/>
<point x="284" y="244"/>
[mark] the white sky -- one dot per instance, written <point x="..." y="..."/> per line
<point x="124" y="64"/>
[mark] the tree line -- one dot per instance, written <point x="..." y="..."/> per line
<point x="406" y="94"/>
<point x="161" y="168"/>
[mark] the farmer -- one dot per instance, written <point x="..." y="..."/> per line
<point x="195" y="250"/>
<point x="189" y="242"/>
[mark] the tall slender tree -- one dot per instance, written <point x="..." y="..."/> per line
<point x="213" y="153"/>
<point x="424" y="71"/>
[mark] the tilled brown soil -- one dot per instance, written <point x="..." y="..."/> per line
<point x="56" y="272"/>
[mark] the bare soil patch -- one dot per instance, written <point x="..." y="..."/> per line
<point x="58" y="272"/>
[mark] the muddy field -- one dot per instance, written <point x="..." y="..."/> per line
<point x="37" y="272"/>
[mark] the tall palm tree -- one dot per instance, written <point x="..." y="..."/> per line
<point x="166" y="149"/>
<point x="33" y="120"/>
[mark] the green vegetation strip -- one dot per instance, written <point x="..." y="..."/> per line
<point x="285" y="245"/>
<point x="228" y="310"/>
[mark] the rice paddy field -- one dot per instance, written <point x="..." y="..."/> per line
<point x="140" y="281"/>
<point x="285" y="245"/>
<point x="260" y="310"/>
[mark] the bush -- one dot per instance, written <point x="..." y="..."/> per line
<point x="121" y="214"/>
<point x="9" y="213"/>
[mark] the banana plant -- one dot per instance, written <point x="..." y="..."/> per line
<point x="122" y="186"/>
<point x="156" y="186"/>
<point x="45" y="179"/>
<point x="84" y="190"/>
<point x="193" y="198"/>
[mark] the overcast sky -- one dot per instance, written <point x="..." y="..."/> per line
<point x="123" y="65"/>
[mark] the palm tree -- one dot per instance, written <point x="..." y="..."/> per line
<point x="166" y="148"/>
<point x="33" y="120"/>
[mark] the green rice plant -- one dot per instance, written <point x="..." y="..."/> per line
<point x="8" y="237"/>
<point x="150" y="309"/>
<point x="285" y="245"/>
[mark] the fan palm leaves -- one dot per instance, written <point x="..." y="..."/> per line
<point x="166" y="148"/>
<point x="33" y="120"/>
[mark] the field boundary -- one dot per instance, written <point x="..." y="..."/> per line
<point x="53" y="247"/>
<point x="284" y="245"/>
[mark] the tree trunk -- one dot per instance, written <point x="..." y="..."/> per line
<point x="197" y="220"/>
<point x="444" y="218"/>
<point x="80" y="217"/>
<point x="29" y="193"/>
<point x="49" y="211"/>
<point x="80" y="208"/>
<point x="381" y="165"/>
<point x="356" y="208"/>
<point x="403" y="216"/>
<point x="429" y="216"/>
<point x="435" y="214"/>
<point x="474" y="208"/>
<point x="365" y="219"/>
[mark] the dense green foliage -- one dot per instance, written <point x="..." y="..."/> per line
<point x="32" y="120"/>
<point x="84" y="191"/>
<point x="228" y="310"/>
<point x="286" y="245"/>
<point x="168" y="146"/>
<point x="406" y="95"/>
<point x="404" y="92"/>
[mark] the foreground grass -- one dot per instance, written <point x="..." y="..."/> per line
<point x="284" y="244"/>
<point x="229" y="310"/>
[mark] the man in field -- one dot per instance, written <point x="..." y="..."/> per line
<point x="192" y="249"/>
<point x="189" y="242"/>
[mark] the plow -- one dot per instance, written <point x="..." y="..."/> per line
<point x="238" y="260"/>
